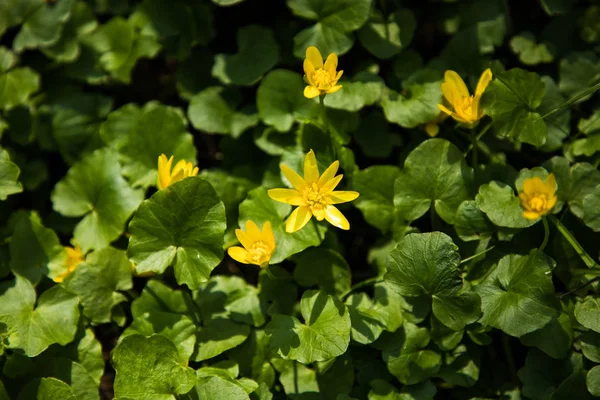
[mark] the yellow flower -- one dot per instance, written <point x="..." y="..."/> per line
<point x="258" y="246"/>
<point x="182" y="170"/>
<point x="466" y="107"/>
<point x="538" y="197"/>
<point x="74" y="258"/>
<point x="321" y="78"/>
<point x="432" y="127"/>
<point x="313" y="194"/>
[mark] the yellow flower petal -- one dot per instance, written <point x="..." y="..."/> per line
<point x="483" y="82"/>
<point x="289" y="196"/>
<point x="314" y="56"/>
<point x="432" y="128"/>
<point x="331" y="184"/>
<point x="551" y="183"/>
<point x="311" y="170"/>
<point x="238" y="254"/>
<point x="329" y="173"/>
<point x="267" y="234"/>
<point x="164" y="171"/>
<point x="336" y="218"/>
<point x="341" y="196"/>
<point x="309" y="68"/>
<point x="534" y="185"/>
<point x="333" y="89"/>
<point x="454" y="88"/>
<point x="338" y="76"/>
<point x="297" y="219"/>
<point x="552" y="203"/>
<point x="331" y="64"/>
<point x="253" y="231"/>
<point x="318" y="213"/>
<point x="531" y="215"/>
<point x="454" y="115"/>
<point x="296" y="180"/>
<point x="244" y="238"/>
<point x="310" y="92"/>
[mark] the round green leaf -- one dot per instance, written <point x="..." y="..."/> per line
<point x="43" y="26"/>
<point x="150" y="368"/>
<point x="9" y="176"/>
<point x="416" y="105"/>
<point x="578" y="73"/>
<point x="217" y="388"/>
<point x="325" y="333"/>
<point x="217" y="336"/>
<point x="501" y="206"/>
<point x="47" y="389"/>
<point x="258" y="53"/>
<point x="367" y="322"/>
<point x="471" y="223"/>
<point x="260" y="208"/>
<point x="593" y="380"/>
<point x="530" y="52"/>
<point x="94" y="189"/>
<point x="435" y="172"/>
<point x="97" y="283"/>
<point x="181" y="225"/>
<point x="554" y="339"/>
<point x="325" y="268"/>
<point x="457" y="310"/>
<point x="522" y="299"/>
<point x="141" y="135"/>
<point x="16" y="86"/>
<point x="33" y="326"/>
<point x="587" y="313"/>
<point x="386" y="37"/>
<point x="591" y="210"/>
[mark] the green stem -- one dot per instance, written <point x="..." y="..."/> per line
<point x="324" y="112"/>
<point x="476" y="255"/>
<point x="546" y="233"/>
<point x="474" y="144"/>
<point x="585" y="257"/>
<point x="509" y="357"/>
<point x="478" y="138"/>
<point x="570" y="101"/>
<point x="596" y="279"/>
<point x="366" y="282"/>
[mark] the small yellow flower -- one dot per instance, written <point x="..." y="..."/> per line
<point x="432" y="127"/>
<point x="74" y="258"/>
<point x="466" y="107"/>
<point x="258" y="246"/>
<point x="182" y="170"/>
<point x="321" y="78"/>
<point x="538" y="197"/>
<point x="313" y="194"/>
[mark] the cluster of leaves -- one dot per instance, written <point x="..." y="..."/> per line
<point x="439" y="289"/>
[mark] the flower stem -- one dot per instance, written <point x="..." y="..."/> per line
<point x="474" y="144"/>
<point x="464" y="260"/>
<point x="585" y="257"/>
<point x="546" y="233"/>
<point x="366" y="282"/>
<point x="324" y="112"/>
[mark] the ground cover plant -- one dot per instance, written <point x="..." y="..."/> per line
<point x="303" y="199"/>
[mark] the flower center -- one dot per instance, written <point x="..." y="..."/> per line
<point x="538" y="202"/>
<point x="322" y="79"/>
<point x="465" y="108"/>
<point x="260" y="252"/>
<point x="313" y="196"/>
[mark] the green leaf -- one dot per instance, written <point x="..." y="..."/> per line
<point x="457" y="310"/>
<point x="43" y="26"/>
<point x="529" y="51"/>
<point x="68" y="371"/>
<point x="590" y="346"/>
<point x="299" y="381"/>
<point x="593" y="380"/>
<point x="9" y="176"/>
<point x="385" y="37"/>
<point x="53" y="320"/>
<point x="17" y="86"/>
<point x="374" y="137"/>
<point x="226" y="3"/>
<point x="554" y="339"/>
<point x="258" y="53"/>
<point x="181" y="225"/>
<point x="577" y="73"/>
<point x="521" y="299"/>
<point x="382" y="390"/>
<point x="280" y="100"/>
<point x="336" y="377"/>
<point x="336" y="19"/>
<point x="141" y="135"/>
<point x="416" y="105"/>
<point x="166" y="378"/>
<point x="501" y="206"/>
<point x="511" y="100"/>
<point x="208" y="111"/>
<point x="364" y="90"/>
<point x="216" y="387"/>
<point x="217" y="336"/>
<point x="471" y="223"/>
<point x="553" y="7"/>
<point x="97" y="281"/>
<point x="591" y="209"/>
<point x="460" y="367"/>
<point x="590" y="29"/>
<point x="367" y="322"/>
<point x="35" y="250"/>
<point x="158" y="297"/>
<point x="260" y="208"/>
<point x="408" y="360"/>
<point x="325" y="268"/>
<point x="376" y="201"/>
<point x="47" y="389"/>
<point x="325" y="333"/>
<point x="587" y="313"/>
<point x="93" y="188"/>
<point x="434" y="173"/>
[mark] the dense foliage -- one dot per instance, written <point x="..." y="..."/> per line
<point x="193" y="208"/>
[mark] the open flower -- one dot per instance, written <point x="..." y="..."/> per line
<point x="74" y="258"/>
<point x="182" y="170"/>
<point x="313" y="194"/>
<point x="466" y="107"/>
<point x="258" y="246"/>
<point x="321" y="78"/>
<point x="538" y="197"/>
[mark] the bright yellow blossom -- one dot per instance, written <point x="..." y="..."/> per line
<point x="538" y="197"/>
<point x="432" y="127"/>
<point x="182" y="170"/>
<point x="321" y="78"/>
<point x="466" y="107"/>
<point x="313" y="194"/>
<point x="258" y="246"/>
<point x="74" y="258"/>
